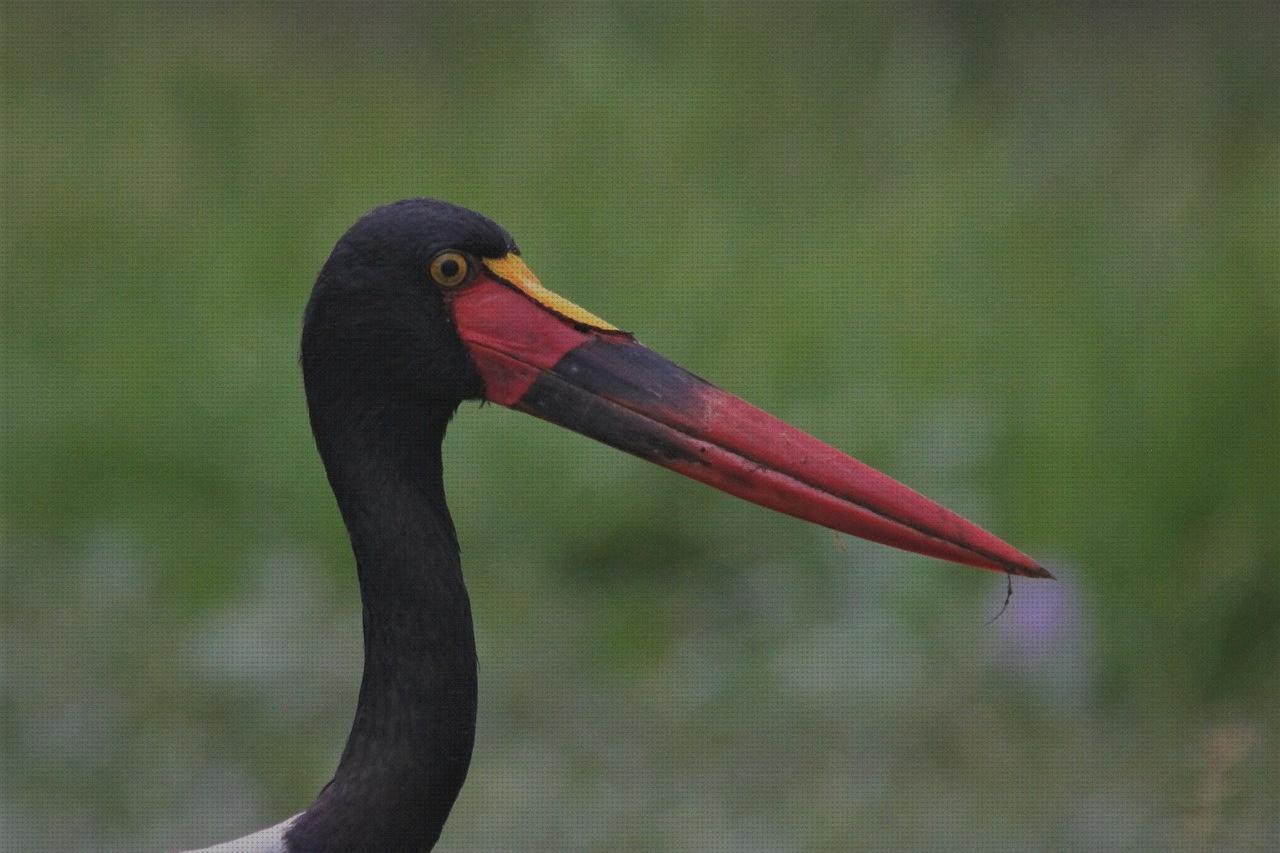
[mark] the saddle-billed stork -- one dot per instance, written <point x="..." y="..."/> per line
<point x="422" y="305"/>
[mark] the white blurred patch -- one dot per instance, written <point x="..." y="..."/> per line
<point x="286" y="638"/>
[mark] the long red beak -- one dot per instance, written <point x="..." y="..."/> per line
<point x="543" y="355"/>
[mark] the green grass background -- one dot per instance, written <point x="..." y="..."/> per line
<point x="1027" y="261"/>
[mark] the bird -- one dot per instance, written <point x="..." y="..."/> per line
<point x="423" y="305"/>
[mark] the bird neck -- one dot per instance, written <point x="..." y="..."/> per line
<point x="411" y="741"/>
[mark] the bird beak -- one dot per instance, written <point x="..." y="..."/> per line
<point x="541" y="354"/>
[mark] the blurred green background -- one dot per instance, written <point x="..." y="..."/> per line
<point x="1028" y="262"/>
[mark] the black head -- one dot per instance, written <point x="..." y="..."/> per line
<point x="377" y="338"/>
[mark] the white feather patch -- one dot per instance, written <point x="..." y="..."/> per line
<point x="269" y="840"/>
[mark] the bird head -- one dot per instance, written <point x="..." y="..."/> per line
<point x="423" y="304"/>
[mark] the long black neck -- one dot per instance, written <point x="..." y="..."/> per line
<point x="410" y="744"/>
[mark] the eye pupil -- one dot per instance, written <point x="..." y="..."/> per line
<point x="449" y="268"/>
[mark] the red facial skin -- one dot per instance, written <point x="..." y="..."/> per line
<point x="511" y="337"/>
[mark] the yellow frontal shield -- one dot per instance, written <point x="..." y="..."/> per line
<point x="513" y="270"/>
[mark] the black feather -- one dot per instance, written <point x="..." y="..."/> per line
<point x="384" y="371"/>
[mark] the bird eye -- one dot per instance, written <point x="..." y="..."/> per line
<point x="450" y="269"/>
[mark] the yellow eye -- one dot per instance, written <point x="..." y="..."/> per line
<point x="450" y="268"/>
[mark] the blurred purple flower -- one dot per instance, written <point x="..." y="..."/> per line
<point x="1046" y="635"/>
